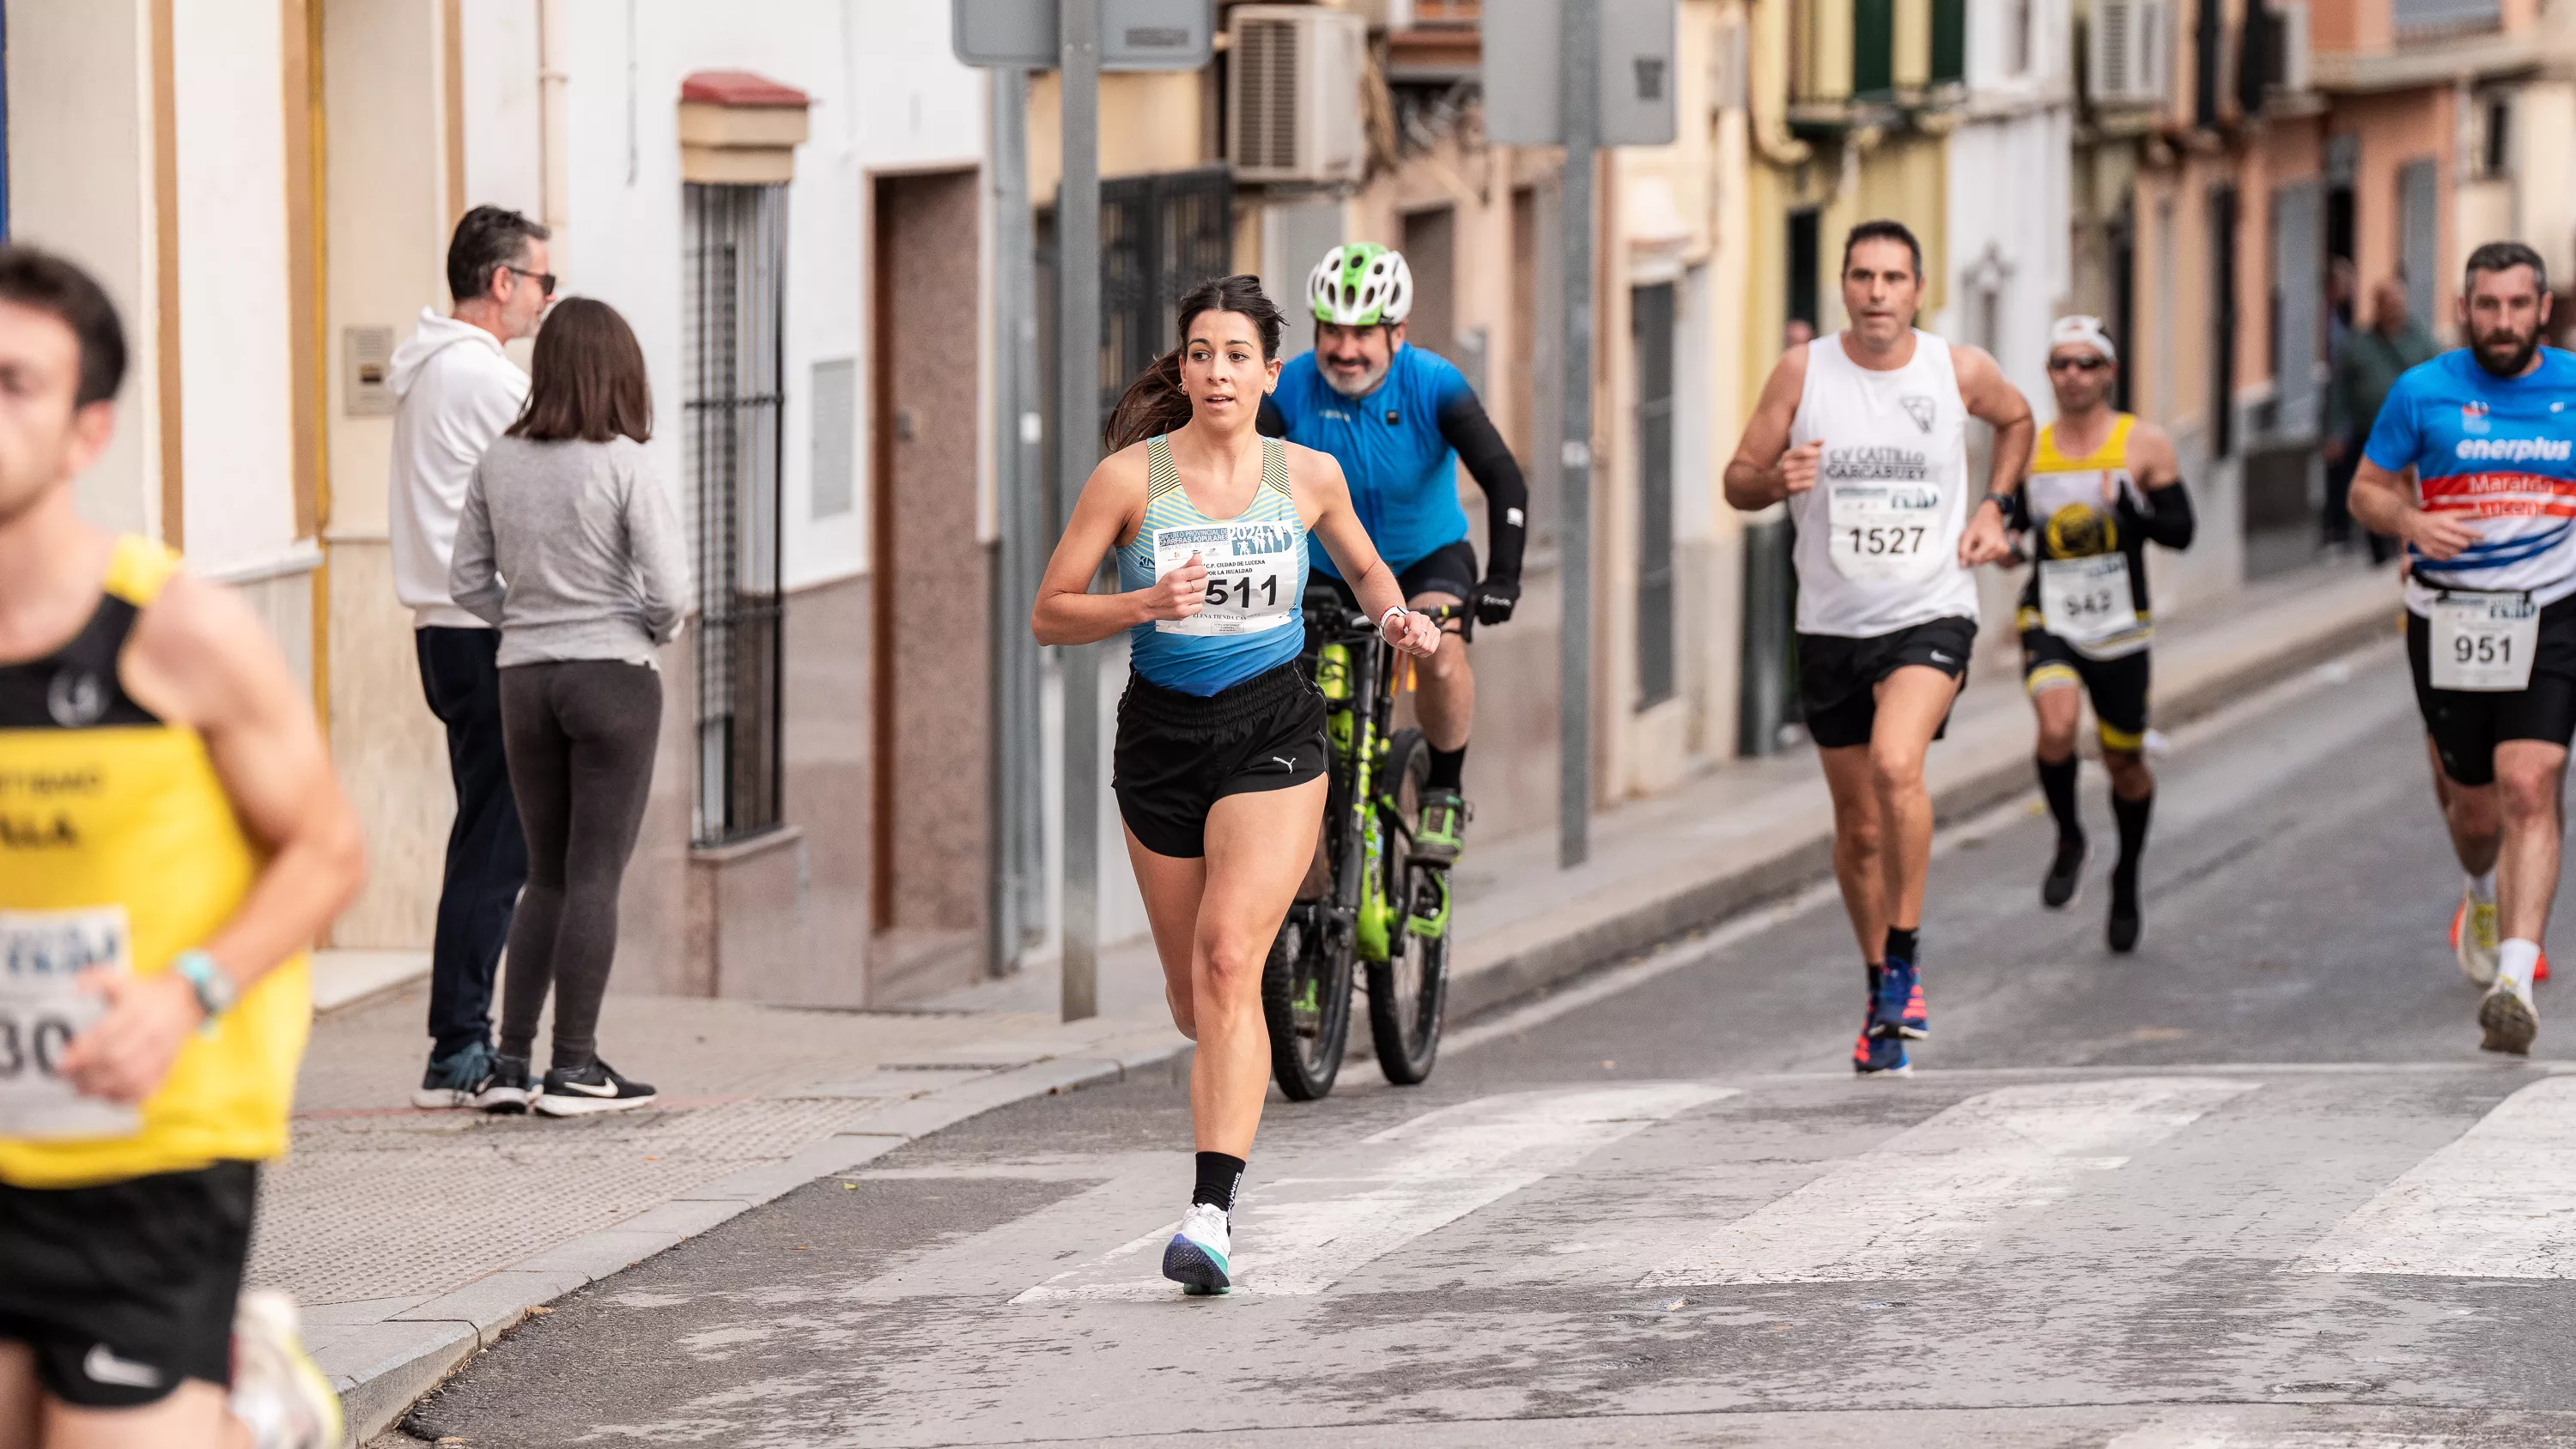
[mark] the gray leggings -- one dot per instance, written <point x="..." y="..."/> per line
<point x="580" y="737"/>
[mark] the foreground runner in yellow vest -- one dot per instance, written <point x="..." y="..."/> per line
<point x="171" y="840"/>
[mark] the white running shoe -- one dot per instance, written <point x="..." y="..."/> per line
<point x="2508" y="1018"/>
<point x="2473" y="938"/>
<point x="1196" y="1258"/>
<point x="279" y="1394"/>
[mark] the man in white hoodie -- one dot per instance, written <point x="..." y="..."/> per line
<point x="458" y="391"/>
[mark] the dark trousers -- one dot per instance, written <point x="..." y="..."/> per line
<point x="2339" y="522"/>
<point x="582" y="734"/>
<point x="486" y="859"/>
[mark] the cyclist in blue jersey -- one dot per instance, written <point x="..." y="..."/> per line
<point x="1220" y="759"/>
<point x="2489" y="431"/>
<point x="1400" y="420"/>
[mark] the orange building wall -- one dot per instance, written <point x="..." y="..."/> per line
<point x="2394" y="129"/>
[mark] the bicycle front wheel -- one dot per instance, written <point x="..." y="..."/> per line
<point x="1306" y="1001"/>
<point x="1408" y="993"/>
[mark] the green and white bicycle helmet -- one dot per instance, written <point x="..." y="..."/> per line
<point x="1361" y="285"/>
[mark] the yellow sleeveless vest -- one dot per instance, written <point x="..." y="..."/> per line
<point x="103" y="805"/>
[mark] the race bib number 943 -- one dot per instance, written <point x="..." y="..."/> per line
<point x="42" y="1008"/>
<point x="1885" y="532"/>
<point x="1251" y="575"/>
<point x="2484" y="642"/>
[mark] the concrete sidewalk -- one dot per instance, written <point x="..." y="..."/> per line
<point x="415" y="1238"/>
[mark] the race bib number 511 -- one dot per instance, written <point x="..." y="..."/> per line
<point x="42" y="1008"/>
<point x="1251" y="575"/>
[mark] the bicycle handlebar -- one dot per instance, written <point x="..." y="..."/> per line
<point x="1343" y="622"/>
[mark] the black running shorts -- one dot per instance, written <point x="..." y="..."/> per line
<point x="2466" y="725"/>
<point x="1449" y="569"/>
<point x="1178" y="754"/>
<point x="2118" y="687"/>
<point x="1838" y="677"/>
<point x="125" y="1289"/>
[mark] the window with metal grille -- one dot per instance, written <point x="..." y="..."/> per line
<point x="1159" y="237"/>
<point x="736" y="270"/>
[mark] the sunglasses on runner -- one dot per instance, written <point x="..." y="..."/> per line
<point x="545" y="280"/>
<point x="2078" y="364"/>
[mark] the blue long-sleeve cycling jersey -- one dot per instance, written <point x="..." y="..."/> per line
<point x="1399" y="449"/>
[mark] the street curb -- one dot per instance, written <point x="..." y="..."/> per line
<point x="406" y="1356"/>
<point x="1712" y="900"/>
<point x="412" y="1353"/>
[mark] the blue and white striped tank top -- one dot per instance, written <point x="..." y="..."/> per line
<point x="1256" y="563"/>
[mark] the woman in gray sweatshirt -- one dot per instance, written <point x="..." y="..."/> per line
<point x="568" y="545"/>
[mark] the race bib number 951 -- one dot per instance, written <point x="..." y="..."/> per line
<point x="1251" y="575"/>
<point x="2484" y="642"/>
<point x="42" y="1008"/>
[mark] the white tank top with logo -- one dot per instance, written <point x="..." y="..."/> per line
<point x="1878" y="536"/>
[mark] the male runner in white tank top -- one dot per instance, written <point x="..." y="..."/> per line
<point x="1864" y="433"/>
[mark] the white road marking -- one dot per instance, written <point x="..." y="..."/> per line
<point x="2498" y="1202"/>
<point x="2207" y="1430"/>
<point x="1299" y="1236"/>
<point x="1923" y="1204"/>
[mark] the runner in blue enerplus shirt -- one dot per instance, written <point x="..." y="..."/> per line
<point x="2489" y="432"/>
<point x="1399" y="420"/>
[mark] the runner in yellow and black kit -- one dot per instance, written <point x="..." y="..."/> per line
<point x="2102" y="486"/>
<point x="171" y="840"/>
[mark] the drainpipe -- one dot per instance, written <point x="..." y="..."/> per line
<point x="553" y="124"/>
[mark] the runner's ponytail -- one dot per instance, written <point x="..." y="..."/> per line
<point x="1154" y="402"/>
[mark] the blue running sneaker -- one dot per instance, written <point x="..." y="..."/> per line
<point x="455" y="1080"/>
<point x="1896" y="1007"/>
<point x="1880" y="1056"/>
<point x="1196" y="1257"/>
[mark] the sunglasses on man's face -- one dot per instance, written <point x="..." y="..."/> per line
<point x="2078" y="364"/>
<point x="545" y="280"/>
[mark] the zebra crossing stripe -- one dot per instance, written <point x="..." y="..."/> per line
<point x="1299" y="1236"/>
<point x="2498" y="1202"/>
<point x="1923" y="1204"/>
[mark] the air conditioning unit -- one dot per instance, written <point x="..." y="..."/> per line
<point x="2285" y="58"/>
<point x="1293" y="99"/>
<point x="2126" y="51"/>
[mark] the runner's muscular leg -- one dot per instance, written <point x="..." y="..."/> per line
<point x="18" y="1403"/>
<point x="195" y="1413"/>
<point x="1912" y="702"/>
<point x="2057" y="709"/>
<point x="1857" y="846"/>
<point x="2131" y="779"/>
<point x="1172" y="885"/>
<point x="2530" y="774"/>
<point x="1256" y="854"/>
<point x="1445" y="691"/>
<point x="2472" y="815"/>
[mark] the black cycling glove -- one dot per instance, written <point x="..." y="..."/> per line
<point x="1495" y="598"/>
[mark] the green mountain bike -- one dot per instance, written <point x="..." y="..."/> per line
<point x="1384" y="912"/>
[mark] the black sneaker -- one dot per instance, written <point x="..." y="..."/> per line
<point x="2065" y="875"/>
<point x="594" y="1088"/>
<point x="454" y="1080"/>
<point x="2125" y="920"/>
<point x="508" y="1093"/>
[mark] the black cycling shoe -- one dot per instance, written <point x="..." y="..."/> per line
<point x="2065" y="875"/>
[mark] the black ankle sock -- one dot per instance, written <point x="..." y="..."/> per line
<point x="1219" y="1176"/>
<point x="2057" y="782"/>
<point x="1448" y="768"/>
<point x="2132" y="815"/>
<point x="1902" y="943"/>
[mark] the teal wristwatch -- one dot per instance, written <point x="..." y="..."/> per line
<point x="216" y="992"/>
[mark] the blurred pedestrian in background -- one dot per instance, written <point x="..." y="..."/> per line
<point x="456" y="393"/>
<point x="568" y="545"/>
<point x="2365" y="370"/>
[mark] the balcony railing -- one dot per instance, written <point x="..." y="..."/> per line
<point x="2414" y="19"/>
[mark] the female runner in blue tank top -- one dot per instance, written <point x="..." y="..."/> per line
<point x="1219" y="766"/>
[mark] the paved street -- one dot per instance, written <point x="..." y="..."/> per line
<point x="2253" y="1186"/>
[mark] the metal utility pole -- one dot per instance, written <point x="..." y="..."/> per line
<point x="1019" y="816"/>
<point x="1077" y="236"/>
<point x="1579" y="79"/>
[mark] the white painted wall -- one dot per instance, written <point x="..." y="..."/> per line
<point x="887" y="96"/>
<point x="237" y="434"/>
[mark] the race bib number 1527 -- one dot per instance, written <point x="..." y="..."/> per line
<point x="42" y="1008"/>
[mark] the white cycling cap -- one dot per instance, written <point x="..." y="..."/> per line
<point x="2082" y="331"/>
